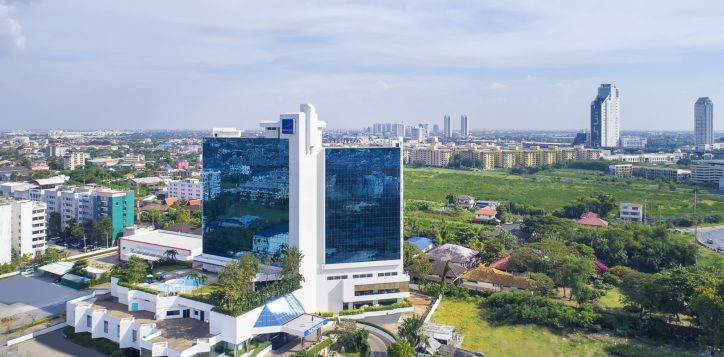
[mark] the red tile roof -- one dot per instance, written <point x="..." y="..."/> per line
<point x="501" y="264"/>
<point x="591" y="219"/>
<point x="486" y="212"/>
<point x="169" y="201"/>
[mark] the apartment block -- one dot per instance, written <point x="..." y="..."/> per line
<point x="187" y="189"/>
<point x="24" y="220"/>
<point x="74" y="160"/>
<point x="707" y="171"/>
<point x="669" y="173"/>
<point x="621" y="170"/>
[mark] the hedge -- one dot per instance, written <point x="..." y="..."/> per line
<point x="101" y="345"/>
<point x="363" y="322"/>
<point x="397" y="305"/>
<point x="320" y="346"/>
<point x="139" y="288"/>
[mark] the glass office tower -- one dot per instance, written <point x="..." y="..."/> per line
<point x="362" y="213"/>
<point x="246" y="196"/>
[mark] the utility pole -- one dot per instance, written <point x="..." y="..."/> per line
<point x="696" y="221"/>
<point x="85" y="250"/>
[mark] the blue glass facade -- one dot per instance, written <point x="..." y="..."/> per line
<point x="363" y="202"/>
<point x="245" y="196"/>
<point x="279" y="311"/>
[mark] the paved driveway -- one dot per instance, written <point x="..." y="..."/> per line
<point x="34" y="295"/>
<point x="51" y="344"/>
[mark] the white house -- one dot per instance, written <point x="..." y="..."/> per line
<point x="152" y="245"/>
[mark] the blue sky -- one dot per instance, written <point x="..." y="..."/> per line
<point x="508" y="64"/>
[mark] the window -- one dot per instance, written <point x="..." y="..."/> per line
<point x="105" y="326"/>
<point x="363" y="200"/>
<point x="173" y="313"/>
<point x="337" y="277"/>
<point x="88" y="321"/>
<point x="134" y="335"/>
<point x="118" y="331"/>
<point x="394" y="273"/>
<point x="360" y="276"/>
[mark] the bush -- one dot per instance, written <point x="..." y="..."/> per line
<point x="611" y="279"/>
<point x="620" y="271"/>
<point x="522" y="308"/>
<point x="101" y="345"/>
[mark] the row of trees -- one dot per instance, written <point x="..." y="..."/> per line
<point x="99" y="231"/>
<point x="237" y="293"/>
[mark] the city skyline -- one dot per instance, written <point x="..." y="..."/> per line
<point x="179" y="66"/>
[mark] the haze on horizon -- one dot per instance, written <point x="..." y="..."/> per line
<point x="508" y="64"/>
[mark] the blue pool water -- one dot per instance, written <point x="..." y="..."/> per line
<point x="175" y="285"/>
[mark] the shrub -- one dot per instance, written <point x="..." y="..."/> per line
<point x="611" y="279"/>
<point x="522" y="308"/>
<point x="620" y="271"/>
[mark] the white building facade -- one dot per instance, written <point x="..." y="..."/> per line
<point x="703" y="123"/>
<point x="186" y="189"/>
<point x="27" y="222"/>
<point x="605" y="117"/>
<point x="631" y="212"/>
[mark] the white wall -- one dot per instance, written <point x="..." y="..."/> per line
<point x="6" y="240"/>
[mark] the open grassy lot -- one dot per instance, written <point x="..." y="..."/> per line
<point x="552" y="189"/>
<point x="526" y="340"/>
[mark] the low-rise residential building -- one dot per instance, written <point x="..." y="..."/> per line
<point x="154" y="245"/>
<point x="631" y="212"/>
<point x="621" y="170"/>
<point x="484" y="215"/>
<point x="430" y="156"/>
<point x="487" y="280"/>
<point x="707" y="171"/>
<point x="591" y="219"/>
<point x="668" y="173"/>
<point x="186" y="189"/>
<point x="466" y="202"/>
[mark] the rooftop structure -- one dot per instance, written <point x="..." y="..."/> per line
<point x="591" y="219"/>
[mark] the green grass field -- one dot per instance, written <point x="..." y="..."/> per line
<point x="552" y="189"/>
<point x="526" y="340"/>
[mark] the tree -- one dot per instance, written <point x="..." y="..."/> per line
<point x="492" y="250"/>
<point x="54" y="225"/>
<point x="103" y="226"/>
<point x="410" y="329"/>
<point x="575" y="273"/>
<point x="708" y="306"/>
<point x="134" y="270"/>
<point x="79" y="266"/>
<point x="291" y="261"/>
<point x="421" y="266"/>
<point x="170" y="254"/>
<point x="400" y="348"/>
<point x="639" y="290"/>
<point x="236" y="281"/>
<point x="198" y="278"/>
<point x="675" y="289"/>
<point x="542" y="284"/>
<point x="52" y="255"/>
<point x="409" y="251"/>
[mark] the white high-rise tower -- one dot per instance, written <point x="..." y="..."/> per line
<point x="703" y="123"/>
<point x="605" y="117"/>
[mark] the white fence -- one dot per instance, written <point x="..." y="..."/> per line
<point x="35" y="334"/>
<point x="432" y="308"/>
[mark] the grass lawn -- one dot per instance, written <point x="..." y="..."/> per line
<point x="552" y="189"/>
<point x="525" y="340"/>
<point x="612" y="299"/>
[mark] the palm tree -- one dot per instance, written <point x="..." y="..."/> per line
<point x="170" y="254"/>
<point x="198" y="278"/>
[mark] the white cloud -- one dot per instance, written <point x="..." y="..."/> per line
<point x="11" y="34"/>
<point x="497" y="85"/>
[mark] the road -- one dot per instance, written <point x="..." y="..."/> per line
<point x="713" y="234"/>
<point x="378" y="346"/>
<point x="50" y="344"/>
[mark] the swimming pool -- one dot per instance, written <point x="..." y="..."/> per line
<point x="178" y="285"/>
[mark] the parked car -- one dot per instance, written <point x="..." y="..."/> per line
<point x="709" y="241"/>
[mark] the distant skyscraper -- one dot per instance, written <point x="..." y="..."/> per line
<point x="436" y="129"/>
<point x="464" y="126"/>
<point x="605" y="117"/>
<point x="703" y="123"/>
<point x="447" y="127"/>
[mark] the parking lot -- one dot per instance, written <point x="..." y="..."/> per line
<point x="31" y="298"/>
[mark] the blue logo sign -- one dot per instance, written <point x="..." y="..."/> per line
<point x="287" y="126"/>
